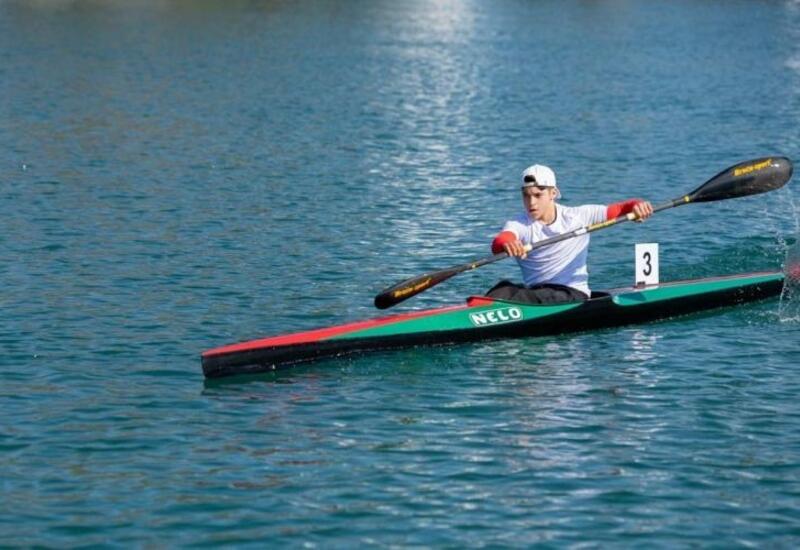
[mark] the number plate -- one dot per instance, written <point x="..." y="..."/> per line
<point x="646" y="264"/>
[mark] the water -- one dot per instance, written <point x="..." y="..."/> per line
<point x="176" y="176"/>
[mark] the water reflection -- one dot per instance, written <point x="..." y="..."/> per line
<point x="643" y="345"/>
<point x="424" y="84"/>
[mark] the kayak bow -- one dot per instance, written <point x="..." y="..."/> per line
<point x="482" y="318"/>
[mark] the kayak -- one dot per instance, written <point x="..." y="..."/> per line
<point x="482" y="318"/>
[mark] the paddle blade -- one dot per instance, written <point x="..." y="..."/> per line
<point x="746" y="178"/>
<point x="411" y="287"/>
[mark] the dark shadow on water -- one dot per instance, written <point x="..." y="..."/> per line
<point x="412" y="361"/>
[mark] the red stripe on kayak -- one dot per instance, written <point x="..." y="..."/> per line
<point x="476" y="301"/>
<point x="324" y="333"/>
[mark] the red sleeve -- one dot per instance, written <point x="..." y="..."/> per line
<point x="501" y="239"/>
<point x="621" y="208"/>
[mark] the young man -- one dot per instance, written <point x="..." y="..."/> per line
<point x="555" y="273"/>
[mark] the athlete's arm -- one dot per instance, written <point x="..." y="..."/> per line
<point x="508" y="242"/>
<point x="641" y="208"/>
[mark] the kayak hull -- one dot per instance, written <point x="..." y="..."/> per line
<point x="482" y="318"/>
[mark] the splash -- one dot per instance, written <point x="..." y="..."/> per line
<point x="789" y="308"/>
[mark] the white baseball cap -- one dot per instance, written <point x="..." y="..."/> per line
<point x="540" y="175"/>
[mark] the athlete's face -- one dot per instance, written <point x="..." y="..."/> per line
<point x="539" y="202"/>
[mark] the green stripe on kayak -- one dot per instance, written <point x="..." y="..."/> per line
<point x="670" y="291"/>
<point x="469" y="318"/>
<point x="506" y="312"/>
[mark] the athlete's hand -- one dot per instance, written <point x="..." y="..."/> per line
<point x="642" y="210"/>
<point x="515" y="249"/>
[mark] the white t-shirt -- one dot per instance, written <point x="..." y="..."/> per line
<point x="564" y="262"/>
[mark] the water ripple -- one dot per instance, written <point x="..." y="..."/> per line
<point x="176" y="176"/>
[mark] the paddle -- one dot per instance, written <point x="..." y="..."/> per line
<point x="746" y="178"/>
